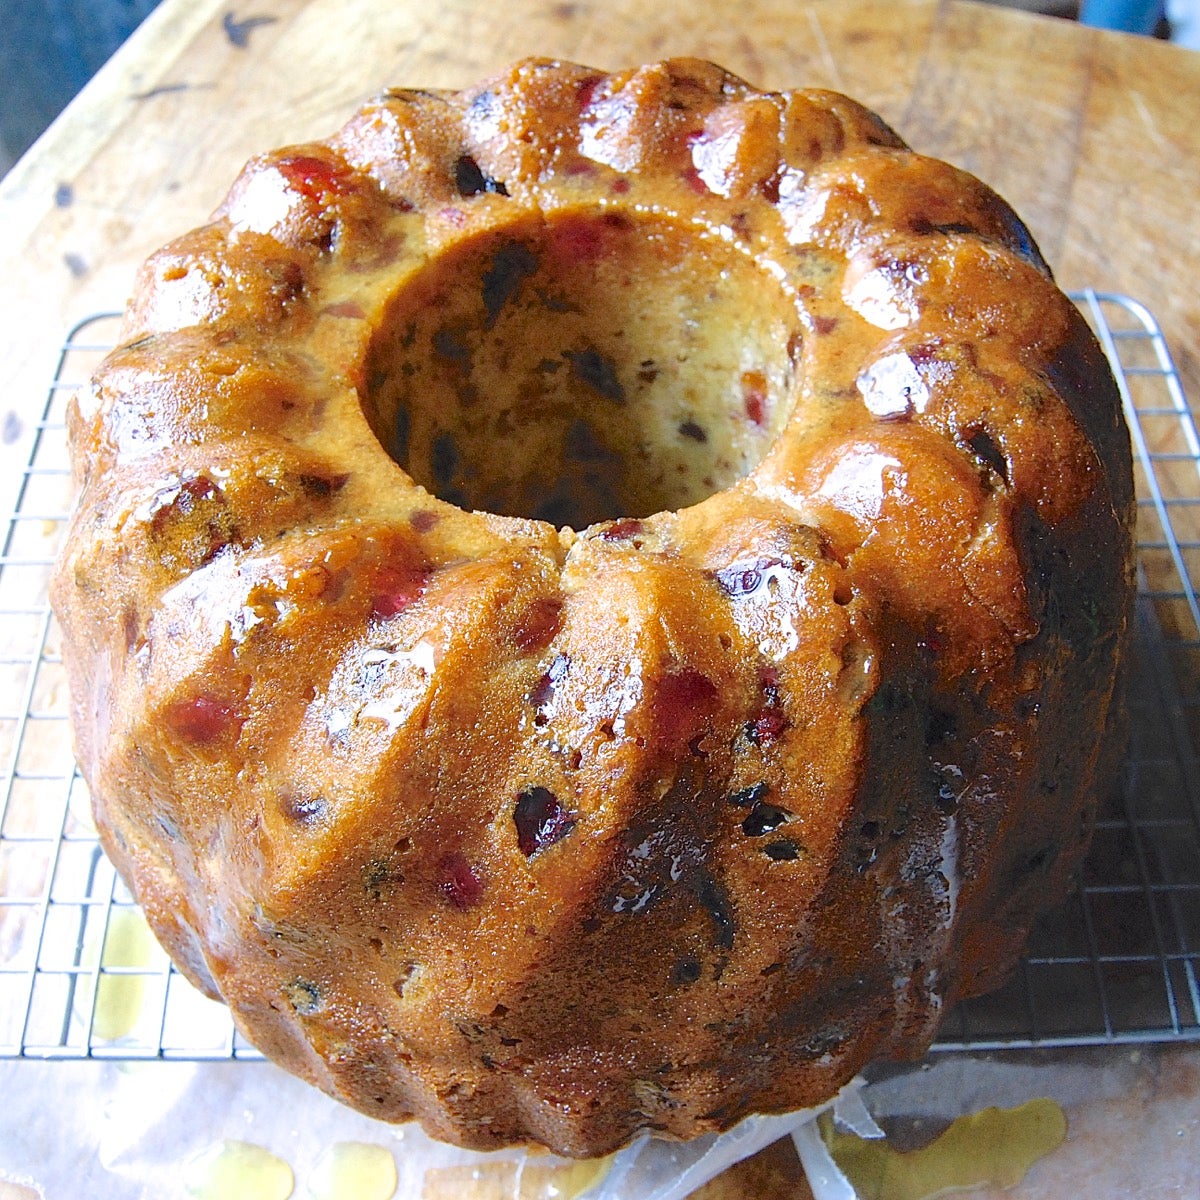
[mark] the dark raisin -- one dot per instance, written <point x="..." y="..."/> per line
<point x="765" y="818"/>
<point x="1038" y="860"/>
<point x="410" y="972"/>
<point x="749" y="795"/>
<point x="540" y="820"/>
<point x="923" y="226"/>
<point x="483" y="105"/>
<point x="582" y="445"/>
<point x="693" y="432"/>
<point x="321" y="487"/>
<point x="947" y="797"/>
<point x="984" y="447"/>
<point x="939" y="726"/>
<point x="443" y="459"/>
<point x="183" y="502"/>
<point x="452" y="345"/>
<point x="597" y="371"/>
<point x="784" y="850"/>
<point x="512" y="265"/>
<point x="685" y="971"/>
<point x="740" y="579"/>
<point x="168" y="826"/>
<point x="376" y="875"/>
<point x="470" y="179"/>
<point x="543" y="691"/>
<point x="713" y="896"/>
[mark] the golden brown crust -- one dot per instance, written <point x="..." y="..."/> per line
<point x="554" y="834"/>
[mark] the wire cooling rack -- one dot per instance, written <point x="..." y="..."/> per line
<point x="81" y="976"/>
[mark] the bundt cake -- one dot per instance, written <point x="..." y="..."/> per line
<point x="596" y="601"/>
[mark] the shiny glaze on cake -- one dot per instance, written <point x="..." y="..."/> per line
<point x="749" y="722"/>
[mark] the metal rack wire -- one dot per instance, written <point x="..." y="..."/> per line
<point x="81" y="976"/>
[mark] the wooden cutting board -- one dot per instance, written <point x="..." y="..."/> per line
<point x="1092" y="136"/>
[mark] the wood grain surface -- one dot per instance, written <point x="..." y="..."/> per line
<point x="1094" y="137"/>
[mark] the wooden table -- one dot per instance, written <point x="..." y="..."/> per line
<point x="1094" y="138"/>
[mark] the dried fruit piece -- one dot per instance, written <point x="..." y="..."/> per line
<point x="683" y="700"/>
<point x="543" y="691"/>
<point x="538" y="624"/>
<point x="458" y="881"/>
<point x="470" y="180"/>
<point x="204" y="719"/>
<point x="398" y="588"/>
<point x="764" y="818"/>
<point x="748" y="796"/>
<point x="541" y="820"/>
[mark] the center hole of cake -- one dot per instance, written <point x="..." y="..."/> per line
<point x="583" y="367"/>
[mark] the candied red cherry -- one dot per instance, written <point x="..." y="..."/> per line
<point x="397" y="588"/>
<point x="754" y="397"/>
<point x="683" y="700"/>
<point x="538" y="625"/>
<point x="318" y="179"/>
<point x="458" y="881"/>
<point x="622" y="530"/>
<point x="767" y="726"/>
<point x="204" y="719"/>
<point x="587" y="90"/>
